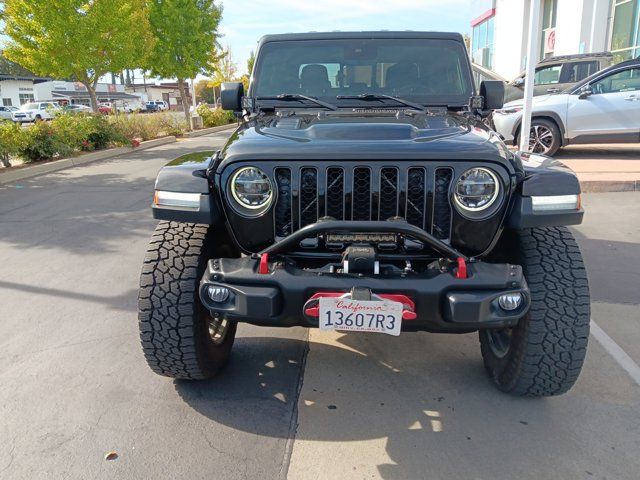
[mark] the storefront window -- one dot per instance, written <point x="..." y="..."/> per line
<point x="26" y="98"/>
<point x="548" y="39"/>
<point x="625" y="35"/>
<point x="482" y="43"/>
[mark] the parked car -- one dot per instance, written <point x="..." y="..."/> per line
<point x="162" y="105"/>
<point x="556" y="74"/>
<point x="106" y="108"/>
<point x="369" y="200"/>
<point x="5" y="112"/>
<point x="151" y="107"/>
<point x="603" y="108"/>
<point x="32" y="111"/>
<point x="76" y="108"/>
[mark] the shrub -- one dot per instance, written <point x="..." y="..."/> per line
<point x="41" y="143"/>
<point x="214" y="117"/>
<point x="12" y="140"/>
<point x="172" y="124"/>
<point x="100" y="133"/>
<point x="144" y="126"/>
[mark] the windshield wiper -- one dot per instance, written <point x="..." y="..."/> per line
<point x="297" y="96"/>
<point x="380" y="96"/>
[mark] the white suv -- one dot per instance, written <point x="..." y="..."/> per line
<point x="30" y="112"/>
<point x="602" y="108"/>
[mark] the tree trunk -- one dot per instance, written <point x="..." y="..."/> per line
<point x="4" y="159"/>
<point x="185" y="102"/>
<point x="92" y="95"/>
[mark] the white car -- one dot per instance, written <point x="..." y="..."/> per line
<point x="602" y="108"/>
<point x="162" y="105"/>
<point x="5" y="112"/>
<point x="32" y="111"/>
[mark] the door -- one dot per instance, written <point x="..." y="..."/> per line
<point x="611" y="112"/>
<point x="547" y="79"/>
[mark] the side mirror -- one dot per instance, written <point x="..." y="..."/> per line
<point x="518" y="82"/>
<point x="493" y="93"/>
<point x="585" y="91"/>
<point x="231" y="94"/>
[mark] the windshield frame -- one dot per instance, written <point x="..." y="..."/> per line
<point x="452" y="101"/>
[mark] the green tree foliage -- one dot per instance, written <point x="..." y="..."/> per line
<point x="250" y="62"/>
<point x="186" y="33"/>
<point x="12" y="140"/>
<point x="204" y="91"/>
<point x="78" y="39"/>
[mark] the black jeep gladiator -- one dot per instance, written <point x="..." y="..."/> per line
<point x="361" y="192"/>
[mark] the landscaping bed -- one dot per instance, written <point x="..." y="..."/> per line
<point x="68" y="135"/>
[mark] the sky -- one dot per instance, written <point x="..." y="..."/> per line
<point x="245" y="21"/>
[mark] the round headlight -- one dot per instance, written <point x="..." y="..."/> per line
<point x="251" y="188"/>
<point x="476" y="190"/>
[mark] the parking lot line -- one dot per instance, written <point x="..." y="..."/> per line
<point x="618" y="354"/>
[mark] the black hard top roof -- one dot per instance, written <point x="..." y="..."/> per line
<point x="281" y="37"/>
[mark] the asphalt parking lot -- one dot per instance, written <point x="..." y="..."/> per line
<point x="310" y="405"/>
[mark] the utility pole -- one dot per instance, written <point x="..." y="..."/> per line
<point x="532" y="55"/>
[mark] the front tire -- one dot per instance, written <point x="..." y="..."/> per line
<point x="544" y="137"/>
<point x="544" y="353"/>
<point x="179" y="337"/>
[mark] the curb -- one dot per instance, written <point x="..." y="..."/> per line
<point x="205" y="131"/>
<point x="601" y="186"/>
<point x="50" y="167"/>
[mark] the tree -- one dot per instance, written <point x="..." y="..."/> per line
<point x="186" y="33"/>
<point x="250" y="62"/>
<point x="204" y="90"/>
<point x="225" y="69"/>
<point x="78" y="39"/>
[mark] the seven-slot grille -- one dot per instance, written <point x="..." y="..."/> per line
<point x="417" y="193"/>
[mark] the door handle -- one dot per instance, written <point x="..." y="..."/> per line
<point x="632" y="98"/>
<point x="553" y="90"/>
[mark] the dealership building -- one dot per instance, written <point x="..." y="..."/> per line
<point x="501" y="28"/>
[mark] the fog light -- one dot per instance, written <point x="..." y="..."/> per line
<point x="218" y="294"/>
<point x="510" y="301"/>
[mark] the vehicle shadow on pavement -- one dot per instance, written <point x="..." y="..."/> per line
<point x="401" y="404"/>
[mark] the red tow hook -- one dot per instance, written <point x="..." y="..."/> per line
<point x="263" y="268"/>
<point x="462" y="268"/>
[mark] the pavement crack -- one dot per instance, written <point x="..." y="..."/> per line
<point x="293" y="424"/>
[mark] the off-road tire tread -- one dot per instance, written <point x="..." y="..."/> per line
<point x="168" y="303"/>
<point x="550" y="343"/>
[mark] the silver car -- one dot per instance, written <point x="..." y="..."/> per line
<point x="603" y="108"/>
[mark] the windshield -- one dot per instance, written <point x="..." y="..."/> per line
<point x="424" y="71"/>
<point x="29" y="106"/>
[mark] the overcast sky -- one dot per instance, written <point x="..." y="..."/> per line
<point x="245" y="21"/>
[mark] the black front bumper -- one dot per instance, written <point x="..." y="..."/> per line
<point x="443" y="303"/>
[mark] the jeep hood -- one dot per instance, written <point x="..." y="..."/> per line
<point x="343" y="136"/>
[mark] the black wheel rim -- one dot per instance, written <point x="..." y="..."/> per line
<point x="499" y="341"/>
<point x="540" y="139"/>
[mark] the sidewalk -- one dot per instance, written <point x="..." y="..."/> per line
<point x="604" y="168"/>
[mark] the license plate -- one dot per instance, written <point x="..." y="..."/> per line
<point x="360" y="315"/>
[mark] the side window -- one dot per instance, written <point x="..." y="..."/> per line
<point x="43" y="106"/>
<point x="624" y="81"/>
<point x="547" y="75"/>
<point x="576" y="71"/>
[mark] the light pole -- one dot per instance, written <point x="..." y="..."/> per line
<point x="532" y="55"/>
